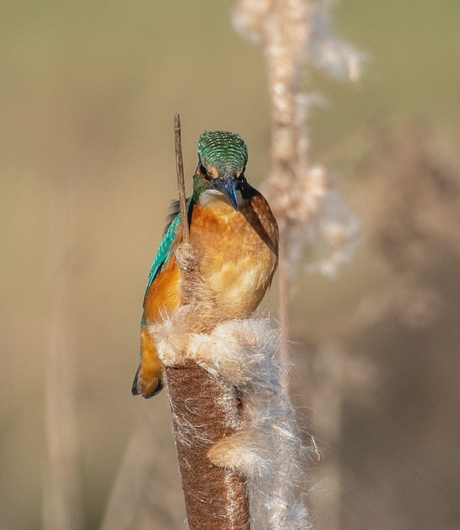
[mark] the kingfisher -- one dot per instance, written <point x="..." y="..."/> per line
<point x="235" y="239"/>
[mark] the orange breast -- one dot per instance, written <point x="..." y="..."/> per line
<point x="237" y="251"/>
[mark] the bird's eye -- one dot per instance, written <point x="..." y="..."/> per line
<point x="203" y="171"/>
<point x="241" y="182"/>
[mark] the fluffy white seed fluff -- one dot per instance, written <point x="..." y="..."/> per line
<point x="266" y="448"/>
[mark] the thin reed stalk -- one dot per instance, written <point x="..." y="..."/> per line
<point x="61" y="503"/>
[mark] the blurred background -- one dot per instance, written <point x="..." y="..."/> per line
<point x="87" y="96"/>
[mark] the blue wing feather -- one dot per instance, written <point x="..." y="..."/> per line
<point x="165" y="250"/>
<point x="163" y="254"/>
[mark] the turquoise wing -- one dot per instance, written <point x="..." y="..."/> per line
<point x="165" y="250"/>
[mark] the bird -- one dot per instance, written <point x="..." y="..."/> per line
<point x="234" y="235"/>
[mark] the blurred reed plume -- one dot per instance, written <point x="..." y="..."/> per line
<point x="400" y="341"/>
<point x="296" y="35"/>
<point x="417" y="223"/>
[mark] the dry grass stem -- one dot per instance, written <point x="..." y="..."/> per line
<point x="131" y="483"/>
<point x="62" y="496"/>
<point x="180" y="178"/>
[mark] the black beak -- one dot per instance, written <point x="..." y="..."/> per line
<point x="227" y="186"/>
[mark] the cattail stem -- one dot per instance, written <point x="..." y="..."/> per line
<point x="205" y="410"/>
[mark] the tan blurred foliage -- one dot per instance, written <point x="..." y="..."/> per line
<point x="87" y="96"/>
<point x="383" y="378"/>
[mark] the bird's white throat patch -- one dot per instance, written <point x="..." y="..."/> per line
<point x="209" y="197"/>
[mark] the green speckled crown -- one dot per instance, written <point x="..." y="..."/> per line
<point x="222" y="150"/>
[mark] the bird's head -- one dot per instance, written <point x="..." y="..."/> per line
<point x="222" y="158"/>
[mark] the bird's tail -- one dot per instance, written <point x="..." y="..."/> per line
<point x="148" y="379"/>
<point x="146" y="387"/>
